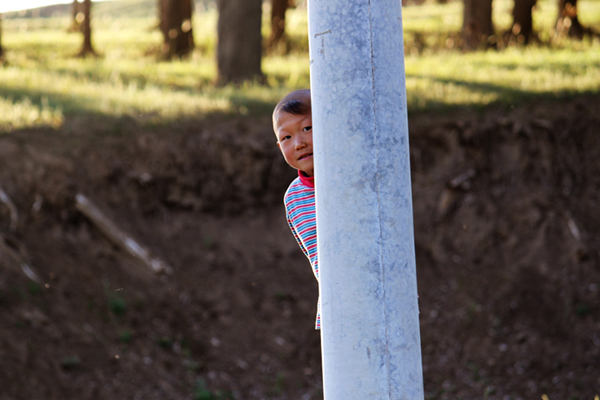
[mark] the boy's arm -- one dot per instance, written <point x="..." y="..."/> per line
<point x="298" y="238"/>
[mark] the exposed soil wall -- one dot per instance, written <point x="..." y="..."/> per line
<point x="507" y="233"/>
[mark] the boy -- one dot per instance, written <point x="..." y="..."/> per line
<point x="292" y="123"/>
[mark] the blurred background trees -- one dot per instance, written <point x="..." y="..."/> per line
<point x="176" y="27"/>
<point x="479" y="32"/>
<point x="75" y="12"/>
<point x="239" y="48"/>
<point x="523" y="19"/>
<point x="265" y="42"/>
<point x="477" y="23"/>
<point x="86" y="48"/>
<point x="242" y="39"/>
<point x="278" y="11"/>
<point x="568" y="21"/>
<point x="1" y="48"/>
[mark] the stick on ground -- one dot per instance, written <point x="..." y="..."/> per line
<point x="14" y="216"/>
<point x="118" y="237"/>
<point x="13" y="252"/>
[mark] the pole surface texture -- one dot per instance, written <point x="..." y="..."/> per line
<point x="369" y="307"/>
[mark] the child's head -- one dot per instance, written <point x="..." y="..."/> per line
<point x="292" y="123"/>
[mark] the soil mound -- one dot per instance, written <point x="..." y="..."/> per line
<point x="506" y="229"/>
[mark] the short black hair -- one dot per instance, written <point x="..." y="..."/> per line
<point x="297" y="102"/>
<point x="296" y="107"/>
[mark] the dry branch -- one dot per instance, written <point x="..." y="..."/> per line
<point x="118" y="237"/>
<point x="14" y="256"/>
<point x="14" y="216"/>
<point x="462" y="180"/>
<point x="27" y="270"/>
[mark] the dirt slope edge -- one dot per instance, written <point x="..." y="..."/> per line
<point x="506" y="228"/>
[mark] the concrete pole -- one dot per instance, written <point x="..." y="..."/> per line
<point x="370" y="325"/>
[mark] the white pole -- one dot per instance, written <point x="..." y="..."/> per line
<point x="369" y="307"/>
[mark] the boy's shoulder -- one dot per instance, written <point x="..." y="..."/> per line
<point x="294" y="187"/>
<point x="296" y="182"/>
<point x="297" y="189"/>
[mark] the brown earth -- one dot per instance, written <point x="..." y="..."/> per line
<point x="507" y="229"/>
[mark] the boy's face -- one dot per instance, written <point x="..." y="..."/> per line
<point x="294" y="138"/>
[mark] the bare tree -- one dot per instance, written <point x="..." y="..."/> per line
<point x="567" y="21"/>
<point x="239" y="47"/>
<point x="522" y="27"/>
<point x="75" y="9"/>
<point x="87" y="30"/>
<point x="176" y="27"/>
<point x="2" y="55"/>
<point x="278" y="10"/>
<point x="477" y="24"/>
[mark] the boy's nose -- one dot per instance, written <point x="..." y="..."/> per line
<point x="300" y="143"/>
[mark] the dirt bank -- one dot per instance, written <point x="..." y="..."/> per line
<point x="507" y="230"/>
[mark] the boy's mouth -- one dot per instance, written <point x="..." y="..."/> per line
<point x="303" y="156"/>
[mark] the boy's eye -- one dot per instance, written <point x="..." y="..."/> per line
<point x="306" y="128"/>
<point x="285" y="138"/>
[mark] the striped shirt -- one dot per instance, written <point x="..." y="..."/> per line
<point x="299" y="203"/>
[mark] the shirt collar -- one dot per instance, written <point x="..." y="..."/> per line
<point x="306" y="180"/>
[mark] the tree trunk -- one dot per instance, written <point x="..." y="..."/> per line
<point x="477" y="24"/>
<point x="163" y="13"/>
<point x="239" y="48"/>
<point x="278" y="9"/>
<point x="75" y="11"/>
<point x="2" y="58"/>
<point x="522" y="27"/>
<point x="176" y="27"/>
<point x="567" y="21"/>
<point x="87" y="30"/>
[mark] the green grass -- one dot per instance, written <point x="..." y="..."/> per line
<point x="117" y="305"/>
<point x="44" y="83"/>
<point x="509" y="77"/>
<point x="201" y="392"/>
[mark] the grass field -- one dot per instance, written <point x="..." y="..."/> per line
<point x="43" y="81"/>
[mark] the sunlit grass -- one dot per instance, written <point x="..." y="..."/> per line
<point x="112" y="96"/>
<point x="509" y="77"/>
<point x="430" y="17"/>
<point x="44" y="82"/>
<point x="23" y="114"/>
